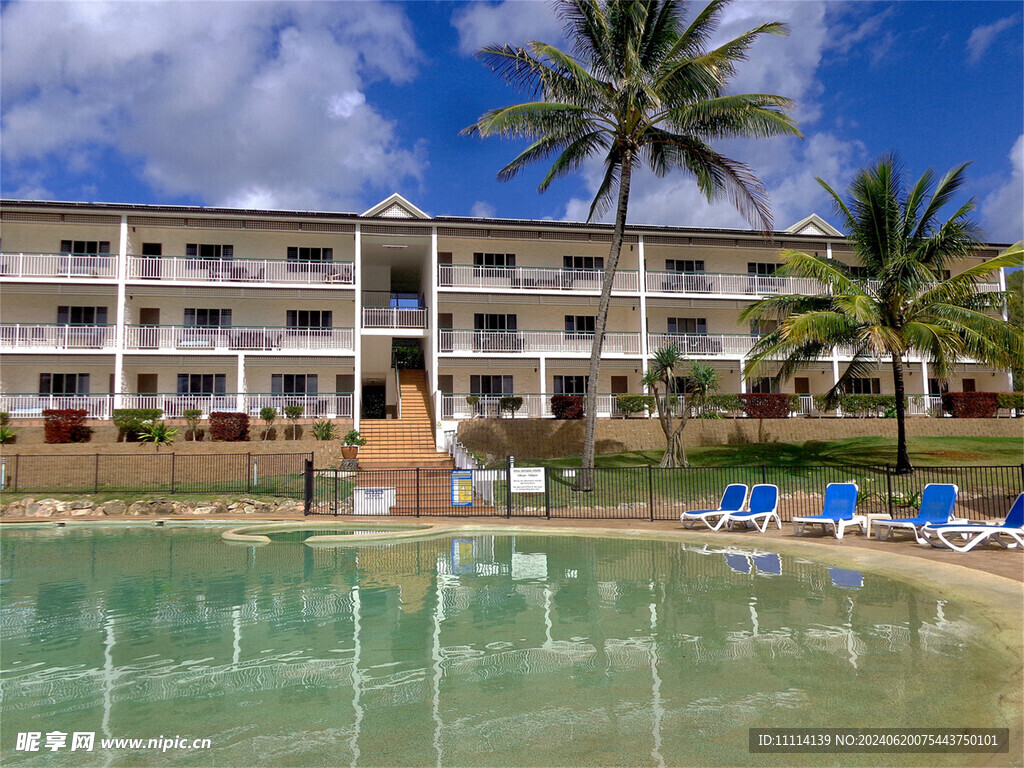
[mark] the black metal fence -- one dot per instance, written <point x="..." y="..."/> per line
<point x="277" y="474"/>
<point x="646" y="493"/>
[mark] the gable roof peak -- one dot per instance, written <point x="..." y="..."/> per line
<point x="813" y="225"/>
<point x="394" y="207"/>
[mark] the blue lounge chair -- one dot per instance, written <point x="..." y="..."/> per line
<point x="763" y="506"/>
<point x="937" y="502"/>
<point x="838" y="511"/>
<point x="973" y="534"/>
<point x="733" y="499"/>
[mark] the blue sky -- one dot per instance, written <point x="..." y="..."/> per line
<point x="333" y="106"/>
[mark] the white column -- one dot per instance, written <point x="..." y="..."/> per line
<point x="357" y="372"/>
<point x="119" y="335"/>
<point x="240" y="387"/>
<point x="924" y="377"/>
<point x="433" y="340"/>
<point x="542" y="373"/>
<point x="828" y="250"/>
<point x="743" y="381"/>
<point x="1002" y="287"/>
<point x="642" y="266"/>
<point x="835" y="377"/>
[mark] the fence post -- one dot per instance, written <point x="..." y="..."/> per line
<point x="96" y="476"/>
<point x="307" y="486"/>
<point x="547" y="494"/>
<point x="334" y="501"/>
<point x="17" y="466"/>
<point x="417" y="491"/>
<point x="248" y="476"/>
<point x="173" y="462"/>
<point x="888" y="487"/>
<point x="764" y="474"/>
<point x="650" y="490"/>
<point x="508" y="486"/>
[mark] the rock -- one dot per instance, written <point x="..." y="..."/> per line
<point x="152" y="507"/>
<point x="46" y="508"/>
<point x="82" y="511"/>
<point x="112" y="508"/>
<point x="81" y="504"/>
<point x="206" y="510"/>
<point x="248" y="509"/>
<point x="138" y="508"/>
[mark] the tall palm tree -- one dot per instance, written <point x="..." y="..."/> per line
<point x="637" y="89"/>
<point x="899" y="303"/>
<point x="665" y="368"/>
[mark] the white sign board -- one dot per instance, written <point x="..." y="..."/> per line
<point x="527" y="480"/>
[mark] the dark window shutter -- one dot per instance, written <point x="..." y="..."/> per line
<point x="190" y="316"/>
<point x="192" y="249"/>
<point x="101" y="315"/>
<point x="219" y="383"/>
<point x="510" y="260"/>
<point x="63" y="316"/>
<point x="328" y="254"/>
<point x="511" y="322"/>
<point x="599" y="262"/>
<point x="293" y="252"/>
<point x="83" y="384"/>
<point x="182" y="383"/>
<point x="478" y="322"/>
<point x="474" y="384"/>
<point x="292" y="318"/>
<point x="478" y="259"/>
<point x="567" y="262"/>
<point x="698" y="266"/>
<point x="65" y="246"/>
<point x="227" y="252"/>
<point x="673" y="325"/>
<point x="104" y="247"/>
<point x="276" y="384"/>
<point x="311" y="384"/>
<point x="45" y="382"/>
<point x="702" y="325"/>
<point x="327" y="319"/>
<point x="225" y="318"/>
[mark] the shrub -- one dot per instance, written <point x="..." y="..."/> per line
<point x="293" y="413"/>
<point x="324" y="430"/>
<point x="719" y="403"/>
<point x="567" y="406"/>
<point x="511" y="403"/>
<point x="971" y="405"/>
<point x="7" y="434"/>
<point x="1008" y="400"/>
<point x="129" y="421"/>
<point x="764" y="405"/>
<point x="630" y="404"/>
<point x="268" y="413"/>
<point x="354" y="438"/>
<point x="65" y="425"/>
<point x="192" y="417"/>
<point x="157" y="432"/>
<point x="867" y="405"/>
<point x="229" y="426"/>
<point x="5" y="418"/>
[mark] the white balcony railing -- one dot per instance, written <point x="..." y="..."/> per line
<point x="394" y="317"/>
<point x="533" y="278"/>
<point x="558" y="342"/>
<point x="329" y="405"/>
<point x="535" y="406"/>
<point x="711" y="344"/>
<point x="97" y="266"/>
<point x="28" y="406"/>
<point x="239" y="338"/>
<point x="731" y="285"/>
<point x="36" y="336"/>
<point x="326" y="405"/>
<point x="191" y="269"/>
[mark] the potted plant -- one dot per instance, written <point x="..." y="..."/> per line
<point x="351" y="443"/>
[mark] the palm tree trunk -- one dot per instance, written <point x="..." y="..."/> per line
<point x="585" y="478"/>
<point x="903" y="465"/>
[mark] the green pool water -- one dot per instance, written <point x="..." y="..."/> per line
<point x="466" y="651"/>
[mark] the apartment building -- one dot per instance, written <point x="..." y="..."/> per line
<point x="106" y="306"/>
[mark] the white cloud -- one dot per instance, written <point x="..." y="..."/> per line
<point x="982" y="37"/>
<point x="482" y="210"/>
<point x="1002" y="210"/>
<point x="514" y="21"/>
<point x="224" y="102"/>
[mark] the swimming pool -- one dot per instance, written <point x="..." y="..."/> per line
<point x="468" y="650"/>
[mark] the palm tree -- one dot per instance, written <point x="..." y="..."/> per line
<point x="664" y="369"/>
<point x="637" y="89"/>
<point x="900" y="302"/>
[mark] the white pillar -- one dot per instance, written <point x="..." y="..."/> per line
<point x="240" y="387"/>
<point x="119" y="334"/>
<point x="743" y="380"/>
<point x="542" y="373"/>
<point x="835" y="377"/>
<point x="357" y="365"/>
<point x="924" y="377"/>
<point x="642" y="276"/>
<point x="433" y="341"/>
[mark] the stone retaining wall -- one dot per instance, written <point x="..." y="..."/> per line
<point x="55" y="508"/>
<point x="551" y="438"/>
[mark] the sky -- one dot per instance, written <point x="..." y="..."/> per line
<point x="335" y="105"/>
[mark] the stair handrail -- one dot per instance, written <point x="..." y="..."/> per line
<point x="398" y="385"/>
<point x="462" y="456"/>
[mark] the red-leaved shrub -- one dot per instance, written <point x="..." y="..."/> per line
<point x="229" y="426"/>
<point x="65" y="425"/>
<point x="764" y="405"/>
<point x="567" y="406"/>
<point x="971" y="405"/>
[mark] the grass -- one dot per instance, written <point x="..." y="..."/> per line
<point x="856" y="451"/>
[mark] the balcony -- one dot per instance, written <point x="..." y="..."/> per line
<point x="707" y="283"/>
<point x="535" y="406"/>
<point x="703" y="345"/>
<point x="389" y="309"/>
<point x="31" y="406"/>
<point x="47" y="337"/>
<point x="327" y="405"/>
<point x="534" y="279"/>
<point x="239" y="338"/>
<point x="192" y="269"/>
<point x="535" y="342"/>
<point x="59" y="265"/>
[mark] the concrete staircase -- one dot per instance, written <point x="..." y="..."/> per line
<point x="406" y="442"/>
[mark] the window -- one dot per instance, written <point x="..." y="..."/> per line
<point x="209" y="251"/>
<point x="936" y="388"/>
<point x="763" y="327"/>
<point x="490" y="385"/>
<point x="762" y="385"/>
<point x="968" y="385"/>
<point x="85" y="247"/>
<point x="863" y="386"/>
<point x="494" y="259"/>
<point x="761" y="268"/>
<point x="81" y="315"/>
<point x="683" y="265"/>
<point x="583" y="262"/>
<point x="861" y="273"/>
<point x="579" y="323"/>
<point x="63" y="383"/>
<point x="688" y="325"/>
<point x="202" y="383"/>
<point x="570" y="385"/>
<point x="309" y="318"/>
<point x="301" y="253"/>
<point x="293" y="384"/>
<point x="482" y="322"/>
<point x="198" y="317"/>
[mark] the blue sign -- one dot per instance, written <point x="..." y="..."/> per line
<point x="462" y="488"/>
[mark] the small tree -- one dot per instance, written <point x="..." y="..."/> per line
<point x="293" y="413"/>
<point x="510" y="403"/>
<point x="703" y="381"/>
<point x="192" y="417"/>
<point x="665" y="367"/>
<point x="157" y="432"/>
<point x="268" y="414"/>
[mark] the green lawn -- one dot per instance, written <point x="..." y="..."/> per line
<point x="857" y="451"/>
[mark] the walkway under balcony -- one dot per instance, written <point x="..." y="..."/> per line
<point x="534" y="279"/>
<point x="390" y="310"/>
<point x="88" y="266"/>
<point x="239" y="338"/>
<point x="288" y="271"/>
<point x="535" y="342"/>
<point x="39" y="337"/>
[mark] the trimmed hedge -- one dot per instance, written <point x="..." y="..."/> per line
<point x="724" y="403"/>
<point x="129" y="421"/>
<point x="510" y="403"/>
<point x="630" y="404"/>
<point x="971" y="405"/>
<point x="567" y="406"/>
<point x="229" y="426"/>
<point x="65" y="425"/>
<point x="764" y="405"/>
<point x="1010" y="400"/>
